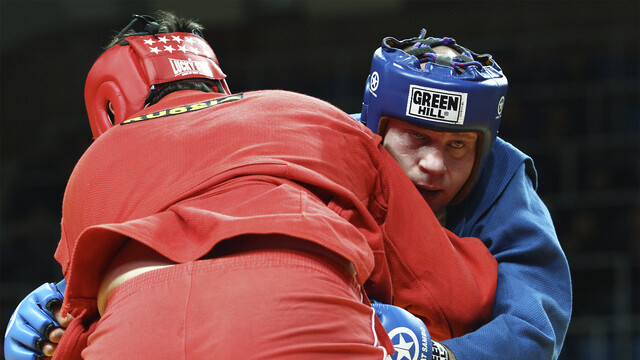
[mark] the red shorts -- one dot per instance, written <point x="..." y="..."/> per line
<point x="259" y="304"/>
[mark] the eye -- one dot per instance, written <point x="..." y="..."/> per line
<point x="416" y="134"/>
<point x="458" y="144"/>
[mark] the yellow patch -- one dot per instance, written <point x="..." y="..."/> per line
<point x="184" y="109"/>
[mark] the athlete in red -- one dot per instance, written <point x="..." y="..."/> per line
<point x="256" y="224"/>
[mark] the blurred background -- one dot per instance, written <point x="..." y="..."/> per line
<point x="573" y="105"/>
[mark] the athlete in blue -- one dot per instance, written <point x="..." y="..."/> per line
<point x="438" y="107"/>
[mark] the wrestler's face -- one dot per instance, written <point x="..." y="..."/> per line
<point x="438" y="163"/>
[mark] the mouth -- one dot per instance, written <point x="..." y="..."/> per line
<point x="429" y="193"/>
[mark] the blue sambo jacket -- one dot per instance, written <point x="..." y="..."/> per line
<point x="533" y="299"/>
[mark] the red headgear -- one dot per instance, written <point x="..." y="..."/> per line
<point x="126" y="73"/>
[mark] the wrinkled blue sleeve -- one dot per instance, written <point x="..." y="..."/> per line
<point x="533" y="298"/>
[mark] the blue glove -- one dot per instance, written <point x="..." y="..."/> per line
<point x="31" y="322"/>
<point x="409" y="335"/>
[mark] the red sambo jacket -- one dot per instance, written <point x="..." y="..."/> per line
<point x="198" y="168"/>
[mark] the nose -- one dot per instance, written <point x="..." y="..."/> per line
<point x="432" y="161"/>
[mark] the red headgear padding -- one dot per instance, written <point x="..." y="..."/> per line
<point x="125" y="73"/>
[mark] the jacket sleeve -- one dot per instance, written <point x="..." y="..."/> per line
<point x="533" y="297"/>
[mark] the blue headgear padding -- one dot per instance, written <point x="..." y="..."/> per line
<point x="438" y="97"/>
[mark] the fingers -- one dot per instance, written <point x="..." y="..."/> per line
<point x="63" y="321"/>
<point x="48" y="349"/>
<point x="55" y="335"/>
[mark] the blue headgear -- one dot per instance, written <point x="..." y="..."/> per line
<point x="464" y="93"/>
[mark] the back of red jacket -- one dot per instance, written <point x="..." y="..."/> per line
<point x="198" y="168"/>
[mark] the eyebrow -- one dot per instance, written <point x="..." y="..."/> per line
<point x="467" y="136"/>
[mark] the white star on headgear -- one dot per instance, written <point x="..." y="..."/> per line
<point x="154" y="50"/>
<point x="170" y="49"/>
<point x="176" y="39"/>
<point x="163" y="39"/>
<point x="149" y="42"/>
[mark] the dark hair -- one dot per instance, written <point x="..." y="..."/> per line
<point x="156" y="94"/>
<point x="166" y="22"/>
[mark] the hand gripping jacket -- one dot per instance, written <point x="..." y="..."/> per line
<point x="31" y="322"/>
<point x="409" y="335"/>
<point x="127" y="72"/>
<point x="466" y="93"/>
